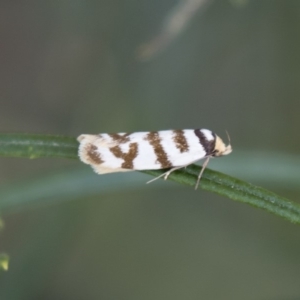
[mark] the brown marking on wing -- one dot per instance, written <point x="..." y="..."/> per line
<point x="120" y="138"/>
<point x="209" y="146"/>
<point x="180" y="141"/>
<point x="93" y="155"/>
<point x="162" y="157"/>
<point x="127" y="157"/>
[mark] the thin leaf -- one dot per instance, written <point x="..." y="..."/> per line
<point x="64" y="185"/>
<point x="237" y="190"/>
<point x="33" y="146"/>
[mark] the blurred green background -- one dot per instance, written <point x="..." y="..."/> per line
<point x="72" y="67"/>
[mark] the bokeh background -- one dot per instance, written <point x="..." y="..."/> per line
<point x="72" y="67"/>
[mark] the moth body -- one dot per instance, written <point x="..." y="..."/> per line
<point x="175" y="149"/>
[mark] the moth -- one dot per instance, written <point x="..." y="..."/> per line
<point x="173" y="149"/>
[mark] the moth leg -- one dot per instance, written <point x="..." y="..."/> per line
<point x="166" y="174"/>
<point x="201" y="172"/>
<point x="170" y="171"/>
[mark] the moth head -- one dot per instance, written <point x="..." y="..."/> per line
<point x="220" y="147"/>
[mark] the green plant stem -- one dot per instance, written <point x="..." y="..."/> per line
<point x="34" y="146"/>
<point x="237" y="190"/>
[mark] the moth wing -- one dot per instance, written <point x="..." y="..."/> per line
<point x="97" y="140"/>
<point x="94" y="150"/>
<point x="104" y="170"/>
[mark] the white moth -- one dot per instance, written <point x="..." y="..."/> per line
<point x="174" y="149"/>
